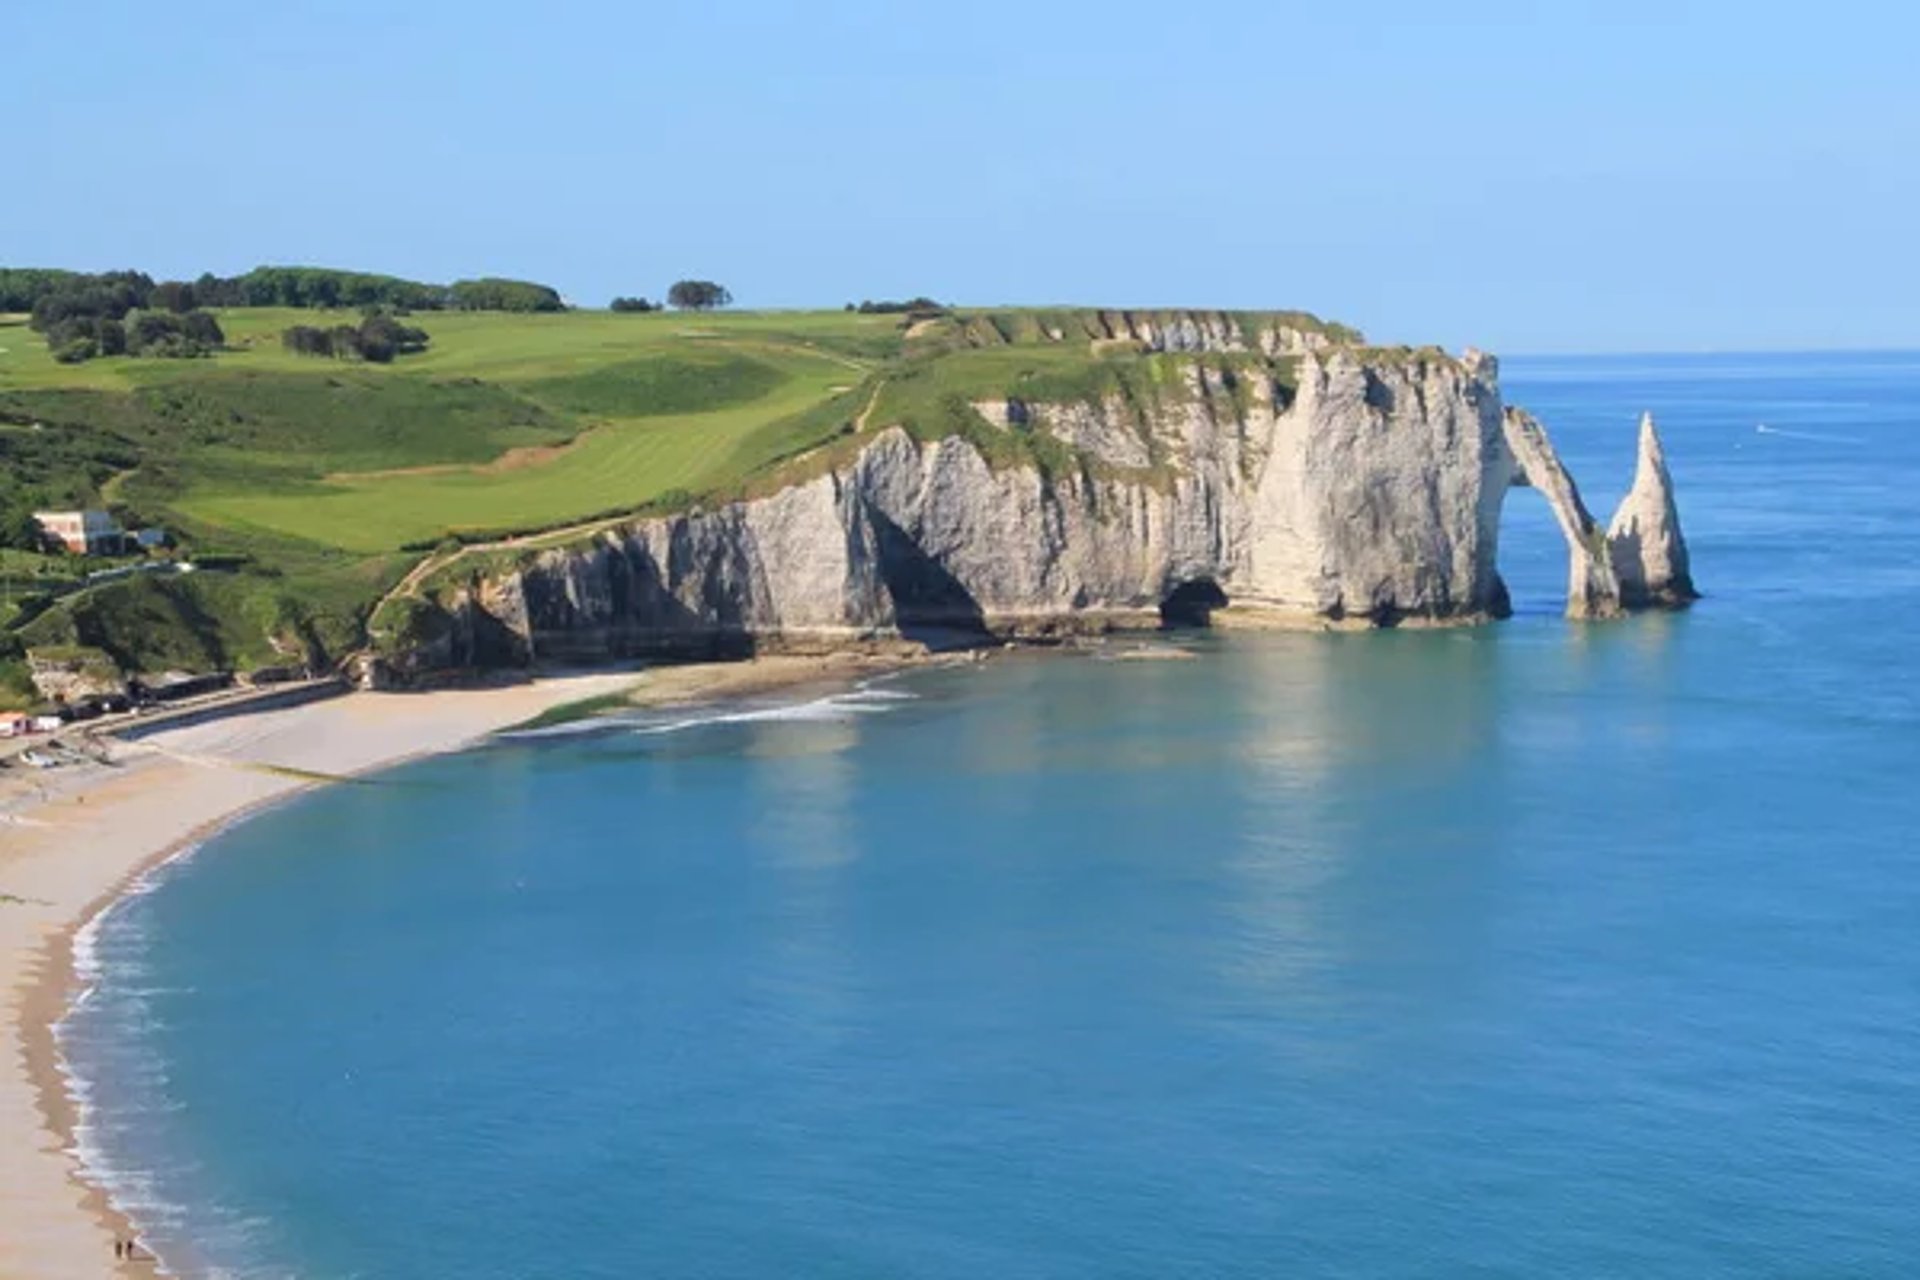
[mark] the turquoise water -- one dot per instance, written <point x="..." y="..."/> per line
<point x="1531" y="950"/>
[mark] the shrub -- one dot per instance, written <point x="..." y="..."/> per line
<point x="912" y="306"/>
<point x="76" y="350"/>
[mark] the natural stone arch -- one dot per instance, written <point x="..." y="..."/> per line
<point x="1593" y="589"/>
<point x="1640" y="559"/>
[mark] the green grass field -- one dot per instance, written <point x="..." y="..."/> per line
<point x="461" y="438"/>
<point x="323" y="481"/>
<point x="622" y="458"/>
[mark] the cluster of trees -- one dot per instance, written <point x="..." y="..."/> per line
<point x="491" y="293"/>
<point x="116" y="313"/>
<point x="163" y="333"/>
<point x="698" y="295"/>
<point x="683" y="295"/>
<point x="911" y="307"/>
<point x="378" y="338"/>
<point x="22" y="289"/>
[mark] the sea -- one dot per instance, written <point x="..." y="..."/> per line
<point x="1534" y="949"/>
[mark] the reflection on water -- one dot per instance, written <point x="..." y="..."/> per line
<point x="798" y="798"/>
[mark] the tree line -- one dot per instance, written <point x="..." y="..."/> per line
<point x="23" y="288"/>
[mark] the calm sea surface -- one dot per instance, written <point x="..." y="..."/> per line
<point x="1533" y="950"/>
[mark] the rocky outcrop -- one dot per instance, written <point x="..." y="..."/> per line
<point x="74" y="674"/>
<point x="1364" y="488"/>
<point x="1648" y="550"/>
<point x="1593" y="587"/>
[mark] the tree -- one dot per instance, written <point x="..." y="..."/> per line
<point x="381" y="333"/>
<point x="173" y="295"/>
<point x="306" y="340"/>
<point x="634" y="304"/>
<point x="147" y="331"/>
<point x="202" y="329"/>
<point x="346" y="342"/>
<point x="698" y="295"/>
<point x="19" y="529"/>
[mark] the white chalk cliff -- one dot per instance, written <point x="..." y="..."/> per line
<point x="1649" y="554"/>
<point x="1366" y="488"/>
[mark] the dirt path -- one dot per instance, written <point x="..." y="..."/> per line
<point x="873" y="401"/>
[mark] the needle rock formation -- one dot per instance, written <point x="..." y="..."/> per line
<point x="1649" y="554"/>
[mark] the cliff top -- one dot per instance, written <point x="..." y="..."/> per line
<point x="1152" y="329"/>
<point x="318" y="479"/>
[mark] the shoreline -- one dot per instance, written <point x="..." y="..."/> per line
<point x="70" y="853"/>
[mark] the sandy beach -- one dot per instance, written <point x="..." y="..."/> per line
<point x="72" y="840"/>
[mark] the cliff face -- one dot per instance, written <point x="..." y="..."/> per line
<point x="1366" y="489"/>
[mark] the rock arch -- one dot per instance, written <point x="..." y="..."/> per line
<point x="1640" y="559"/>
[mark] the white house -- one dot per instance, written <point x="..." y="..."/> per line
<point x="84" y="533"/>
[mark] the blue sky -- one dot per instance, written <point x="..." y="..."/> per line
<point x="1529" y="177"/>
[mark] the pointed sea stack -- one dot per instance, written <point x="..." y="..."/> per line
<point x="1648" y="550"/>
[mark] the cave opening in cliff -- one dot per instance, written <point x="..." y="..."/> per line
<point x="1191" y="604"/>
<point x="930" y="604"/>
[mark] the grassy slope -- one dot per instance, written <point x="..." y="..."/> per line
<point x="322" y="475"/>
<point x="621" y="460"/>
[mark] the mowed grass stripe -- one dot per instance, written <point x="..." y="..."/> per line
<point x="621" y="465"/>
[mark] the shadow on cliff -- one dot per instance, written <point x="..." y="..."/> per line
<point x="930" y="605"/>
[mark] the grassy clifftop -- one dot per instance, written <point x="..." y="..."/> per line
<point x="321" y="482"/>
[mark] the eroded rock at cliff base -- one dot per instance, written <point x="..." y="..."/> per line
<point x="1648" y="551"/>
<point x="1593" y="588"/>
